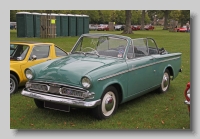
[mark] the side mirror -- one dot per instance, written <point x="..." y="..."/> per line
<point x="34" y="57"/>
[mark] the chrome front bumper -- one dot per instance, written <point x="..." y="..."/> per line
<point x="61" y="99"/>
<point x="187" y="102"/>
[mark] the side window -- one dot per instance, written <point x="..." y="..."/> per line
<point x="152" y="47"/>
<point x="41" y="51"/>
<point x="140" y="47"/>
<point x="60" y="52"/>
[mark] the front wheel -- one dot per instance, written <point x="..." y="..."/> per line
<point x="109" y="104"/>
<point x="164" y="86"/>
<point x="13" y="84"/>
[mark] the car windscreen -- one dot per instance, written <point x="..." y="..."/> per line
<point x="18" y="52"/>
<point x="101" y="45"/>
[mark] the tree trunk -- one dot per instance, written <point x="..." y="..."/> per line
<point x="128" y="29"/>
<point x="166" y="14"/>
<point x="142" y="20"/>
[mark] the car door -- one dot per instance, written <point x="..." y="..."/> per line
<point x="141" y="68"/>
<point x="156" y="57"/>
<point x="42" y="52"/>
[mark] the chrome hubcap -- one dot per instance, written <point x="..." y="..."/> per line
<point x="108" y="103"/>
<point x="165" y="81"/>
<point x="12" y="85"/>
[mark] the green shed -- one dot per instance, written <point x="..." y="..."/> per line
<point x="36" y="24"/>
<point x="64" y="28"/>
<point x="85" y="24"/>
<point x="24" y="24"/>
<point x="79" y="25"/>
<point x="72" y="24"/>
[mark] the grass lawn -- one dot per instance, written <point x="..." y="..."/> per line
<point x="151" y="111"/>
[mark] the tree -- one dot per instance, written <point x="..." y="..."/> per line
<point x="94" y="16"/>
<point x="120" y="18"/>
<point x="184" y="16"/>
<point x="142" y="19"/>
<point x="128" y="29"/>
<point x="166" y="15"/>
<point x="136" y="17"/>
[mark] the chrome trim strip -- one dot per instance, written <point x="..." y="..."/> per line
<point x="122" y="72"/>
<point x="61" y="100"/>
<point x="116" y="74"/>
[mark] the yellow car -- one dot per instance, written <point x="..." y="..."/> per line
<point x="26" y="54"/>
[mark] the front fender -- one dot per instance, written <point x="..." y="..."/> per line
<point x="17" y="73"/>
<point x="100" y="86"/>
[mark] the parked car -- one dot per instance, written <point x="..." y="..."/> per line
<point x="119" y="27"/>
<point x="149" y="27"/>
<point x="93" y="27"/>
<point x="135" y="27"/>
<point x="187" y="96"/>
<point x="103" y="28"/>
<point x="182" y="29"/>
<point x="13" y="25"/>
<point x="101" y="72"/>
<point x="26" y="54"/>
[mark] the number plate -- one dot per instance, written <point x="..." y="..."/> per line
<point x="56" y="106"/>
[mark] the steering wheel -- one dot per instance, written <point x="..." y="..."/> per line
<point x="95" y="51"/>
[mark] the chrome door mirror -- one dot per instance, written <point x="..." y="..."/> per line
<point x="34" y="57"/>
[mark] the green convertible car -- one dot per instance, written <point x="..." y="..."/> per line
<point x="101" y="72"/>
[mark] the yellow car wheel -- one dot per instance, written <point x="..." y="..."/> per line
<point x="13" y="84"/>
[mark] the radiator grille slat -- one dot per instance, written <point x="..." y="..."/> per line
<point x="57" y="89"/>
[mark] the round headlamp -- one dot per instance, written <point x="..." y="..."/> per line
<point x="29" y="74"/>
<point x="86" y="82"/>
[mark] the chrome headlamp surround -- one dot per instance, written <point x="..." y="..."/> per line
<point x="86" y="82"/>
<point x="29" y="74"/>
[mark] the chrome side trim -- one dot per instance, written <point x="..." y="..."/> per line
<point x="132" y="69"/>
<point x="116" y="74"/>
<point x="61" y="100"/>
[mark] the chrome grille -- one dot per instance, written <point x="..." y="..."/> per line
<point x="54" y="89"/>
<point x="71" y="92"/>
<point x="39" y="87"/>
<point x="58" y="89"/>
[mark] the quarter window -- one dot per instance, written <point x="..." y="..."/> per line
<point x="60" y="52"/>
<point x="152" y="47"/>
<point x="140" y="47"/>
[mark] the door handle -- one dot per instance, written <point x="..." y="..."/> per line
<point x="48" y="59"/>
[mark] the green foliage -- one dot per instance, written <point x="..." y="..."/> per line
<point x="151" y="111"/>
<point x="175" y="15"/>
<point x="117" y="16"/>
<point x="184" y="17"/>
<point x="120" y="17"/>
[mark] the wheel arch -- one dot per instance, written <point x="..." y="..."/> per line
<point x="171" y="71"/>
<point x="16" y="75"/>
<point x="118" y="87"/>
